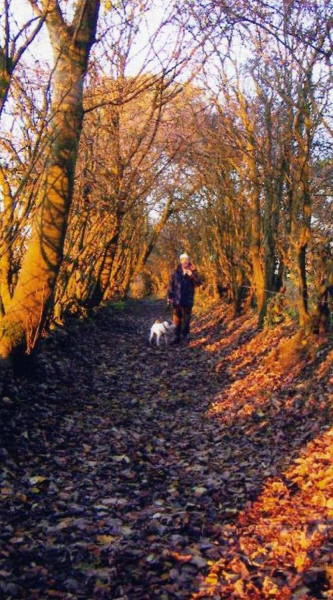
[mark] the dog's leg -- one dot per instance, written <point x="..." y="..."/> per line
<point x="158" y="335"/>
<point x="150" y="338"/>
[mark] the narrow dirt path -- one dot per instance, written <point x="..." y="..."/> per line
<point x="111" y="486"/>
<point x="116" y="481"/>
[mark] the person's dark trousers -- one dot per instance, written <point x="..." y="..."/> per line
<point x="181" y="318"/>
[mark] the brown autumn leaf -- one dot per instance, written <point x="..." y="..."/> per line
<point x="182" y="558"/>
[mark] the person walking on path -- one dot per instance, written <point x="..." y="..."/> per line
<point x="180" y="294"/>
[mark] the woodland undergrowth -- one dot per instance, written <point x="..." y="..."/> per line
<point x="197" y="471"/>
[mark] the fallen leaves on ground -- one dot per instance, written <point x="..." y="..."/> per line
<point x="201" y="471"/>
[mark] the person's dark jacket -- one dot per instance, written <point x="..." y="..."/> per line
<point x="181" y="287"/>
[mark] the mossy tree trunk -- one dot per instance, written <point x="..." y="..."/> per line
<point x="71" y="45"/>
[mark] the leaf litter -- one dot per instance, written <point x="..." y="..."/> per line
<point x="202" y="471"/>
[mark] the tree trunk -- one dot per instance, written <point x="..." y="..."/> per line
<point x="149" y="244"/>
<point x="302" y="286"/>
<point x="33" y="294"/>
<point x="256" y="220"/>
<point x="6" y="246"/>
<point x="302" y="210"/>
<point x="5" y="73"/>
<point x="258" y="271"/>
<point x="104" y="276"/>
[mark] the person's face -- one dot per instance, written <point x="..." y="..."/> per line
<point x="185" y="262"/>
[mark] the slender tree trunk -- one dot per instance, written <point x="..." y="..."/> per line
<point x="303" y="234"/>
<point x="107" y="265"/>
<point x="150" y="243"/>
<point x="11" y="53"/>
<point x="256" y="220"/>
<point x="122" y="268"/>
<point x="255" y="251"/>
<point x="5" y="73"/>
<point x="302" y="286"/>
<point x="269" y="247"/>
<point x="6" y="249"/>
<point x="302" y="209"/>
<point x="33" y="294"/>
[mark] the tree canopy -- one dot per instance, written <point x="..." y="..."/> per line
<point x="150" y="128"/>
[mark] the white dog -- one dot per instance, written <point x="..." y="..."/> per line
<point x="160" y="329"/>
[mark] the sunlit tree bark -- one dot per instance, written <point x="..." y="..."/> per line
<point x="301" y="207"/>
<point x="71" y="46"/>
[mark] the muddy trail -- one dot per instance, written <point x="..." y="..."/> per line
<point x="137" y="472"/>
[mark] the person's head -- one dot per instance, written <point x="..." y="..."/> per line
<point x="184" y="260"/>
